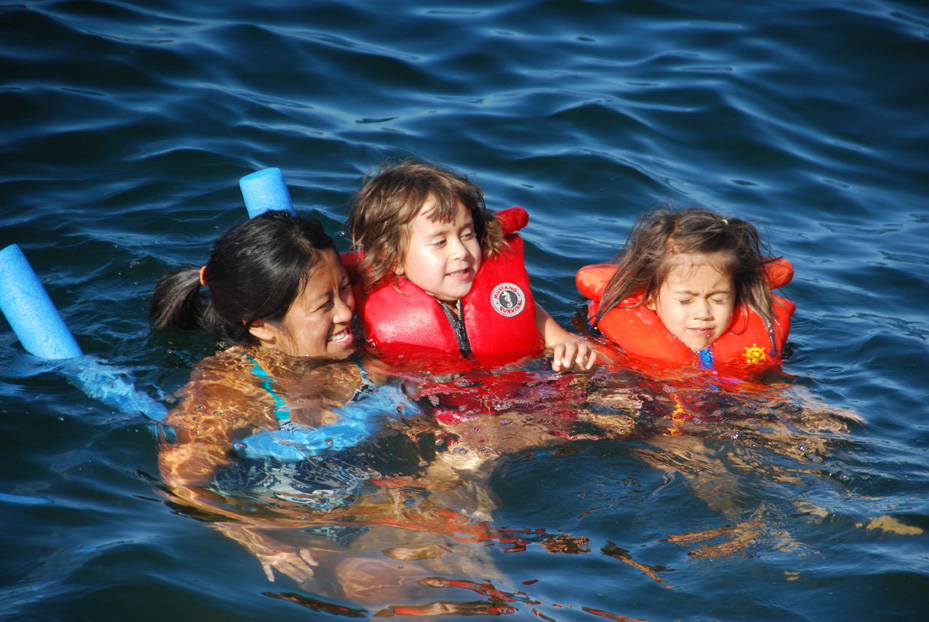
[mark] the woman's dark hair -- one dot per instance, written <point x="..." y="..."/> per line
<point x="256" y="271"/>
<point x="733" y="244"/>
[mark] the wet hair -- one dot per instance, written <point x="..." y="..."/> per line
<point x="733" y="247"/>
<point x="381" y="214"/>
<point x="256" y="271"/>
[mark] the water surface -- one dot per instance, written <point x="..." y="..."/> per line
<point x="126" y="126"/>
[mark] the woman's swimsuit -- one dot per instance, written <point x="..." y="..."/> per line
<point x="305" y="465"/>
<point x="358" y="419"/>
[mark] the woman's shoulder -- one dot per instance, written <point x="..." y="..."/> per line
<point x="221" y="386"/>
<point x="232" y="360"/>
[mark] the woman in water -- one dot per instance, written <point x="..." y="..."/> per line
<point x="276" y="291"/>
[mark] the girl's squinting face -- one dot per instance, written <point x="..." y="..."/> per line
<point x="696" y="302"/>
<point x="318" y="323"/>
<point x="442" y="257"/>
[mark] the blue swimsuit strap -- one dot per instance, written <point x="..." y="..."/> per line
<point x="281" y="411"/>
<point x="706" y="358"/>
<point x="280" y="406"/>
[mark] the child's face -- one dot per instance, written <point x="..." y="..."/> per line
<point x="696" y="302"/>
<point x="442" y="257"/>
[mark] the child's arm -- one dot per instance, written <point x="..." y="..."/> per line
<point x="569" y="350"/>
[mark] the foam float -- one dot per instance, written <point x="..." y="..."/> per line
<point x="42" y="332"/>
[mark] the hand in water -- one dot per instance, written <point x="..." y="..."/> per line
<point x="573" y="354"/>
<point x="295" y="562"/>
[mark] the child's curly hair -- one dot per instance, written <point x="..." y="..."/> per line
<point x="390" y="198"/>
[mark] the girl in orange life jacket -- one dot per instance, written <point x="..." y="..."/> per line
<point x="692" y="288"/>
<point x="440" y="275"/>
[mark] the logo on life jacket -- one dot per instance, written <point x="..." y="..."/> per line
<point x="755" y="354"/>
<point x="507" y="299"/>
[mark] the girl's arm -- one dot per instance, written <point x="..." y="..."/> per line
<point x="569" y="350"/>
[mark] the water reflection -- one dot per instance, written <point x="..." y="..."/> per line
<point x="404" y="523"/>
<point x="399" y="524"/>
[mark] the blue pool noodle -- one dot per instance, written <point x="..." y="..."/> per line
<point x="300" y="444"/>
<point x="264" y="191"/>
<point x="29" y="310"/>
<point x="112" y="387"/>
<point x="38" y="326"/>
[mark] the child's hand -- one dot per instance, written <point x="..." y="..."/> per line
<point x="569" y="349"/>
<point x="573" y="353"/>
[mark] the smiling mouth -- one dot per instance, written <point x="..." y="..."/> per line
<point x="341" y="338"/>
<point x="460" y="273"/>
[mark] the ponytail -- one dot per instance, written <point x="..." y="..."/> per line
<point x="176" y="300"/>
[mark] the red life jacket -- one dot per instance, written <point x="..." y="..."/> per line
<point x="409" y="326"/>
<point x="638" y="331"/>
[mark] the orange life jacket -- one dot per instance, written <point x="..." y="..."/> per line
<point x="639" y="332"/>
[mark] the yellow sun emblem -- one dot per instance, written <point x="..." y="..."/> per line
<point x="754" y="354"/>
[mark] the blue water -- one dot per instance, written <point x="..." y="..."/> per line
<point x="125" y="127"/>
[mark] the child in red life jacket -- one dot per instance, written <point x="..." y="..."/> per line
<point x="692" y="288"/>
<point x="440" y="274"/>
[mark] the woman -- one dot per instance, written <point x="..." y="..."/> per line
<point x="276" y="291"/>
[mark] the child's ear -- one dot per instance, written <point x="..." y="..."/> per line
<point x="650" y="302"/>
<point x="263" y="331"/>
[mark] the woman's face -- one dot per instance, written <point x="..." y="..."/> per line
<point x="318" y="323"/>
